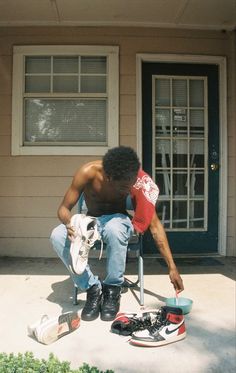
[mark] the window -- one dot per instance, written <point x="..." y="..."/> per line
<point x="65" y="100"/>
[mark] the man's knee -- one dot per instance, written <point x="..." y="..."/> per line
<point x="118" y="227"/>
<point x="58" y="235"/>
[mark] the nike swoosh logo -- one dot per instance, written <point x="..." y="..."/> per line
<point x="167" y="331"/>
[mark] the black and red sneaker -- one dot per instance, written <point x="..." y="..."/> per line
<point x="168" y="328"/>
<point x="127" y="323"/>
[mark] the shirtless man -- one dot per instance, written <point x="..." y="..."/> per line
<point x="106" y="184"/>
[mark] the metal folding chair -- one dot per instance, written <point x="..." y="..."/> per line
<point x="135" y="244"/>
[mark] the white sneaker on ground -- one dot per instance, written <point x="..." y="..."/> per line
<point x="168" y="328"/>
<point x="48" y="330"/>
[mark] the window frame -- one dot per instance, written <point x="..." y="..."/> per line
<point x="19" y="54"/>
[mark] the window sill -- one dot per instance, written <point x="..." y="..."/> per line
<point x="62" y="150"/>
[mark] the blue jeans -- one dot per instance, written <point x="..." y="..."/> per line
<point x="115" y="230"/>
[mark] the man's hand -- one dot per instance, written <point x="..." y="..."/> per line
<point x="176" y="280"/>
<point x="70" y="232"/>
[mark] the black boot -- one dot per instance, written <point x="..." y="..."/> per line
<point x="110" y="302"/>
<point x="92" y="306"/>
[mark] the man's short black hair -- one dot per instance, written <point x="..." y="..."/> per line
<point x="121" y="163"/>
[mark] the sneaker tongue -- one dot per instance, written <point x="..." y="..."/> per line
<point x="173" y="318"/>
<point x="164" y="311"/>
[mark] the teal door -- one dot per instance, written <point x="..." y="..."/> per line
<point x="180" y="106"/>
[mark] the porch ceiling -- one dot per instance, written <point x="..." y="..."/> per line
<point x="193" y="14"/>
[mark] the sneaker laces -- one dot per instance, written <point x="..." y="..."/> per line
<point x="87" y="243"/>
<point x="140" y="323"/>
<point x="160" y="321"/>
<point x="84" y="250"/>
<point x="92" y="300"/>
<point x="125" y="324"/>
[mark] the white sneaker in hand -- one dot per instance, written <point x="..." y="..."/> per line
<point x="86" y="234"/>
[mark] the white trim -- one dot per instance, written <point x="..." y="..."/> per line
<point x="223" y="182"/>
<point x="65" y="49"/>
<point x="112" y="53"/>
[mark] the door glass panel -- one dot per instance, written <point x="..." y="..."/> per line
<point x="162" y="122"/>
<point x="180" y="122"/>
<point x="196" y="92"/>
<point x="163" y="92"/>
<point x="179" y="89"/>
<point x="196" y="153"/>
<point x="180" y="148"/>
<point x="163" y="180"/>
<point x="196" y="214"/>
<point x="196" y="122"/>
<point x="180" y="153"/>
<point x="163" y="153"/>
<point x="196" y="184"/>
<point x="180" y="185"/>
<point x="163" y="212"/>
<point x="179" y="214"/>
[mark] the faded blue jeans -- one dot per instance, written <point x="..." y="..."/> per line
<point x="115" y="230"/>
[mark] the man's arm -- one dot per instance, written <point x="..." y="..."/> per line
<point x="70" y="199"/>
<point x="159" y="236"/>
<point x="80" y="180"/>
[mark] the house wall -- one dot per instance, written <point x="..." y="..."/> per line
<point x="31" y="187"/>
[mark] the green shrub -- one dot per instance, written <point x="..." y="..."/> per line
<point x="27" y="363"/>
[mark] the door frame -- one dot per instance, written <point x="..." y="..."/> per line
<point x="220" y="61"/>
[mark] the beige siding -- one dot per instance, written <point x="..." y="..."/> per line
<point x="32" y="187"/>
<point x="26" y="247"/>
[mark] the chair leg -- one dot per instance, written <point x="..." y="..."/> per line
<point x="140" y="271"/>
<point x="75" y="301"/>
<point x="141" y="280"/>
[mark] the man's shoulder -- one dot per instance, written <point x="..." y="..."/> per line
<point x="92" y="166"/>
<point x="89" y="170"/>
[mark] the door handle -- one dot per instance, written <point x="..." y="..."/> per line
<point x="215" y="166"/>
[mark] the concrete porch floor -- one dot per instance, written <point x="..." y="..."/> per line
<point x="30" y="288"/>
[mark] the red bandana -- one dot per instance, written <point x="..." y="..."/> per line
<point x="144" y="194"/>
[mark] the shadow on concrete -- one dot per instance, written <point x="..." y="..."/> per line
<point x="62" y="294"/>
<point x="217" y="343"/>
<point x="152" y="266"/>
<point x="62" y="291"/>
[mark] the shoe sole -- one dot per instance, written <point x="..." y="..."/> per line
<point x="83" y="263"/>
<point x="53" y="329"/>
<point x="157" y="344"/>
<point x="103" y="318"/>
<point x="79" y="262"/>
